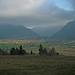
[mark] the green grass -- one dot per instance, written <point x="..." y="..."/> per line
<point x="9" y="45"/>
<point x="37" y="65"/>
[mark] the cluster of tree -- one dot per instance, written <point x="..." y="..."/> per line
<point x="16" y="51"/>
<point x="3" y="52"/>
<point x="21" y="51"/>
<point x="43" y="51"/>
<point x="52" y="52"/>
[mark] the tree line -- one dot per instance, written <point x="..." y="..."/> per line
<point x="21" y="51"/>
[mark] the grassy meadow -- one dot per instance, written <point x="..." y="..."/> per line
<point x="64" y="64"/>
<point x="63" y="50"/>
<point x="37" y="65"/>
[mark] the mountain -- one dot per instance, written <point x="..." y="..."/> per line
<point x="8" y="31"/>
<point x="47" y="31"/>
<point x="66" y="33"/>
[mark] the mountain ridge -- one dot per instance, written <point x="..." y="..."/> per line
<point x="66" y="33"/>
<point x="8" y="31"/>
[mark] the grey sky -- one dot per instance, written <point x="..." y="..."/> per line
<point x="32" y="13"/>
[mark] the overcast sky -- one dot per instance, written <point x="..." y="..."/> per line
<point x="35" y="13"/>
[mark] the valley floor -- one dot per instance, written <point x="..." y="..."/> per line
<point x="37" y="65"/>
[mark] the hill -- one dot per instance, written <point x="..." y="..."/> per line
<point x="66" y="33"/>
<point x="8" y="31"/>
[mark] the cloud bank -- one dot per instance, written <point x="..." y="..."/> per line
<point x="32" y="13"/>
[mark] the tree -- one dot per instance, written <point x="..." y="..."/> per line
<point x="12" y="51"/>
<point x="45" y="51"/>
<point x="40" y="49"/>
<point x="53" y="52"/>
<point x="17" y="51"/>
<point x="31" y="52"/>
<point x="21" y="50"/>
<point x="1" y="52"/>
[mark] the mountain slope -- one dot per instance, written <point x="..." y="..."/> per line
<point x="19" y="32"/>
<point x="66" y="33"/>
<point x="47" y="31"/>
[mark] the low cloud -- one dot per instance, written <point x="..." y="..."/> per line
<point x="32" y="13"/>
<point x="72" y="2"/>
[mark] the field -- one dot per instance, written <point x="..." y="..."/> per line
<point x="37" y="65"/>
<point x="62" y="47"/>
<point x="64" y="64"/>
